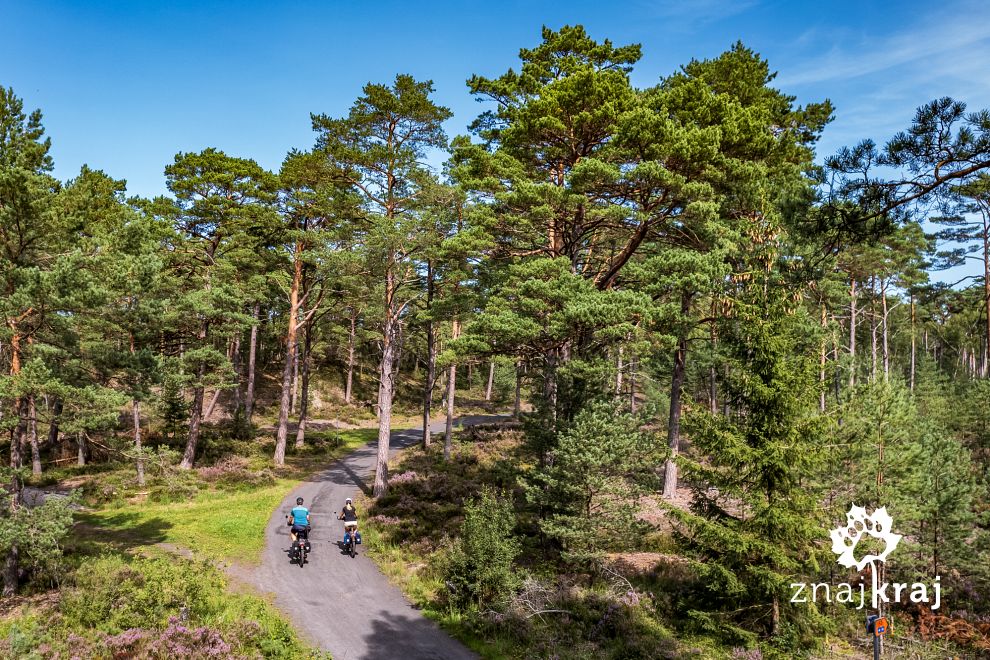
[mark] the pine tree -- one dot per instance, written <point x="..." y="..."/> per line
<point x="588" y="490"/>
<point x="754" y="521"/>
<point x="222" y="211"/>
<point x="377" y="153"/>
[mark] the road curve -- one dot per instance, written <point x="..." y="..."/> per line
<point x="343" y="605"/>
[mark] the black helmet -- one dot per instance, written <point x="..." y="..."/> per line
<point x="299" y="500"/>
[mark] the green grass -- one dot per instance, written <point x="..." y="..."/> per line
<point x="217" y="524"/>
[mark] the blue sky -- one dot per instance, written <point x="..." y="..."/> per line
<point x="125" y="85"/>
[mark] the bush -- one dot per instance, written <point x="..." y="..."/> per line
<point x="38" y="534"/>
<point x="112" y="594"/>
<point x="235" y="472"/>
<point x="589" y="487"/>
<point x="478" y="569"/>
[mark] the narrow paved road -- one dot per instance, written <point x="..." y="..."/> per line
<point x="345" y="605"/>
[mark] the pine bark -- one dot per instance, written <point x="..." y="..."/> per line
<point x="674" y="418"/>
<point x="350" y="360"/>
<point x="196" y="412"/>
<point x="873" y="331"/>
<point x="517" y="403"/>
<point x="294" y="402"/>
<point x="886" y="344"/>
<point x="33" y="436"/>
<point x="82" y="448"/>
<point x="136" y="416"/>
<point x="852" y="334"/>
<point x="821" y="364"/>
<point x="252" y="361"/>
<point x="53" y="426"/>
<point x="618" y="372"/>
<point x="386" y="381"/>
<point x="11" y="570"/>
<point x="913" y="342"/>
<point x="451" y="387"/>
<point x="304" y="394"/>
<point x="633" y="364"/>
<point x="282" y="428"/>
<point x="431" y="358"/>
<point x="491" y="380"/>
<point x="211" y="406"/>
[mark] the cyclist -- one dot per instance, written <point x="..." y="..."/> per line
<point x="298" y="519"/>
<point x="349" y="515"/>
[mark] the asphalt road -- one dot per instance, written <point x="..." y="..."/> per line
<point x="340" y="604"/>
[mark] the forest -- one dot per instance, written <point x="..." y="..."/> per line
<point x="705" y="342"/>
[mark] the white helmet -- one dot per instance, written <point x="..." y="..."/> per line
<point x="347" y="500"/>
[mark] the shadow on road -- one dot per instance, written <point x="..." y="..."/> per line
<point x="410" y="638"/>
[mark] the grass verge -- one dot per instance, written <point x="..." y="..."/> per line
<point x="224" y="521"/>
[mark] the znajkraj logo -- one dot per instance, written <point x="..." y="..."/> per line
<point x="878" y="526"/>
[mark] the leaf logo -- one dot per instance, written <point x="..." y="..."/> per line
<point x="858" y="523"/>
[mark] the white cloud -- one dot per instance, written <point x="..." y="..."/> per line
<point x="696" y="11"/>
<point x="952" y="32"/>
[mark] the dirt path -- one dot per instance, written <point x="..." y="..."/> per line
<point x="345" y="605"/>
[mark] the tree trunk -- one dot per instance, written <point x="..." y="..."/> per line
<point x="913" y="342"/>
<point x="53" y="426"/>
<point x="236" y="365"/>
<point x="294" y="400"/>
<point x="618" y="373"/>
<point x="674" y="420"/>
<point x="196" y="413"/>
<point x="386" y="383"/>
<point x="33" y="436"/>
<point x="350" y="360"/>
<point x="17" y="444"/>
<point x="455" y="332"/>
<point x="304" y="394"/>
<point x="431" y="358"/>
<point x="397" y="361"/>
<point x="212" y="404"/>
<point x="282" y="429"/>
<point x="873" y="330"/>
<point x="10" y="572"/>
<point x="491" y="379"/>
<point x="252" y="361"/>
<point x="852" y="334"/>
<point x="633" y="364"/>
<point x="886" y="345"/>
<point x="517" y="404"/>
<point x="195" y="418"/>
<point x="821" y="365"/>
<point x="10" y="568"/>
<point x="136" y="415"/>
<point x="836" y="377"/>
<point x="83" y="449"/>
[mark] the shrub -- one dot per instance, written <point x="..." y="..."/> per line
<point x="478" y="569"/>
<point x="112" y="594"/>
<point x="38" y="534"/>
<point x="236" y="472"/>
<point x="589" y="486"/>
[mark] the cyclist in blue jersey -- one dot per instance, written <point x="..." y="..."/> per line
<point x="298" y="518"/>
